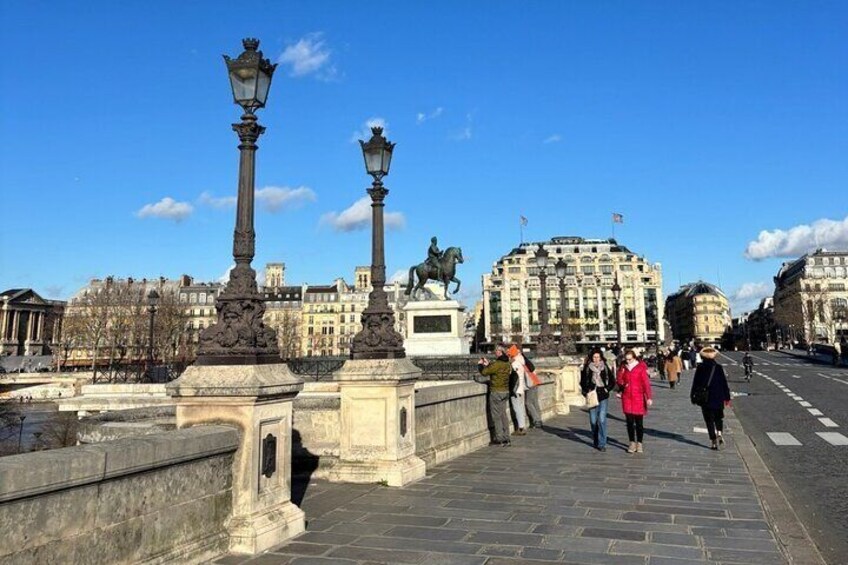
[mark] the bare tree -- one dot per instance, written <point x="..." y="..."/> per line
<point x="287" y="325"/>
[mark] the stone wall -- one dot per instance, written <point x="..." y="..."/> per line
<point x="450" y="420"/>
<point x="152" y="499"/>
<point x="315" y="433"/>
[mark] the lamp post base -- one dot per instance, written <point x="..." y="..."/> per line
<point x="547" y="345"/>
<point x="378" y="338"/>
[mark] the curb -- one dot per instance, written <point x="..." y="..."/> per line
<point x="791" y="535"/>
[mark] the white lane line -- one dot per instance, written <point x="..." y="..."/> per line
<point x="783" y="438"/>
<point x="833" y="438"/>
<point x="815" y="411"/>
<point x="698" y="430"/>
<point x="828" y="423"/>
<point x="805" y="404"/>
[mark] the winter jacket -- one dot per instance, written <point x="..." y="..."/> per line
<point x="520" y="386"/>
<point x="635" y="389"/>
<point x="719" y="391"/>
<point x="587" y="384"/>
<point x="498" y="372"/>
<point x="673" y="367"/>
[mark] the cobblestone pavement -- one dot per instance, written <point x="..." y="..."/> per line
<point x="552" y="498"/>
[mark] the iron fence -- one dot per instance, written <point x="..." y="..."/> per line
<point x="137" y="372"/>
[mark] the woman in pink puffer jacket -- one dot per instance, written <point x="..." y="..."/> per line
<point x="635" y="393"/>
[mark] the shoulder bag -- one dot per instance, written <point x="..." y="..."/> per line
<point x="701" y="395"/>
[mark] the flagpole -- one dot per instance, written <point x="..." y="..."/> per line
<point x="613" y="227"/>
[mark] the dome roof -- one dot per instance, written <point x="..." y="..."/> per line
<point x="702" y="287"/>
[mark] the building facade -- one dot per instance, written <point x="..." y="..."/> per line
<point x="699" y="312"/>
<point x="511" y="293"/>
<point x="29" y="324"/>
<point x="811" y="297"/>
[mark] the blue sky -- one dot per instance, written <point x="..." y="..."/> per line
<point x="705" y="124"/>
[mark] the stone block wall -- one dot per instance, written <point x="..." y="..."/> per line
<point x="450" y="420"/>
<point x="154" y="499"/>
<point x="316" y="435"/>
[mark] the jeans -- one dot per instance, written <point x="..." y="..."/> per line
<point x="531" y="400"/>
<point x="499" y="413"/>
<point x="598" y="422"/>
<point x="714" y="419"/>
<point x="635" y="427"/>
<point x="518" y="407"/>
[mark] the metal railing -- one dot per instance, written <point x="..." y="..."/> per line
<point x="316" y="368"/>
<point x="448" y="368"/>
<point x="137" y="372"/>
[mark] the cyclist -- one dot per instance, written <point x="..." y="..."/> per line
<point x="748" y="363"/>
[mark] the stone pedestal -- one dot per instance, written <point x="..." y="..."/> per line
<point x="377" y="436"/>
<point x="566" y="374"/>
<point x="434" y="327"/>
<point x="257" y="400"/>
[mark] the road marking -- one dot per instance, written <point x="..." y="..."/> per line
<point x="815" y="411"/>
<point x="783" y="438"/>
<point x="828" y="423"/>
<point x="833" y="438"/>
<point x="698" y="430"/>
<point x="796" y="376"/>
<point x="804" y="403"/>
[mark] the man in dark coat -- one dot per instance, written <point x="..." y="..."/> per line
<point x="710" y="375"/>
<point x="498" y="372"/>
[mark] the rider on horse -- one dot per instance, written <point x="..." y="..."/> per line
<point x="434" y="255"/>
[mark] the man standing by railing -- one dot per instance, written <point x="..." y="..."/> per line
<point x="498" y="372"/>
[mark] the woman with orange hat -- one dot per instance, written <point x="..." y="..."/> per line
<point x="517" y="389"/>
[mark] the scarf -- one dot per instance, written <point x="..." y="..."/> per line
<point x="631" y="364"/>
<point x="597" y="369"/>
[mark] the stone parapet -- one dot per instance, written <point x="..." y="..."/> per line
<point x="153" y="499"/>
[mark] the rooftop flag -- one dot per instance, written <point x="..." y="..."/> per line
<point x="617" y="218"/>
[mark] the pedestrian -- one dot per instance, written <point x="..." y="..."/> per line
<point x="711" y="392"/>
<point x="526" y="373"/>
<point x="635" y="393"/>
<point x="672" y="369"/>
<point x="684" y="356"/>
<point x="661" y="355"/>
<point x="516" y="396"/>
<point x="498" y="372"/>
<point x="597" y="378"/>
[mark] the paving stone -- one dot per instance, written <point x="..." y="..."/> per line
<point x="719" y="523"/>
<point x="674" y="539"/>
<point x="590" y="558"/>
<point x="746" y="557"/>
<point x="448" y="559"/>
<point x="501" y="550"/>
<point x="420" y="545"/>
<point x="490" y="526"/>
<point x="589" y="545"/>
<point x="327" y="538"/>
<point x="613" y="534"/>
<point x="301" y="548"/>
<point x="651" y="517"/>
<point x="271" y="559"/>
<point x="435" y="534"/>
<point x="320" y="561"/>
<point x="360" y="529"/>
<point x="231" y="560"/>
<point x="636" y="548"/>
<point x="542" y="554"/>
<point x="377" y="555"/>
<point x="740" y="544"/>
<point x="500" y="538"/>
<point x="396" y="519"/>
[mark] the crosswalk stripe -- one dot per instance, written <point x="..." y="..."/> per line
<point x="804" y="403"/>
<point x="828" y="423"/>
<point x="782" y="438"/>
<point x="833" y="438"/>
<point x="815" y="411"/>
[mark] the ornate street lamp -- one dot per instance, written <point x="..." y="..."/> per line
<point x="378" y="338"/>
<point x="239" y="337"/>
<point x="152" y="302"/>
<point x="566" y="344"/>
<point x="616" y="295"/>
<point x="547" y="342"/>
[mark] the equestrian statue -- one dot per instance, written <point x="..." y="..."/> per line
<point x="440" y="266"/>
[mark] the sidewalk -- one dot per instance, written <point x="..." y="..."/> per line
<point x="552" y="498"/>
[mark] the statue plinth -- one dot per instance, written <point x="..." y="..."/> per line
<point x="434" y="327"/>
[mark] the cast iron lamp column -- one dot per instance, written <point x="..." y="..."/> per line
<point x="152" y="301"/>
<point x="566" y="345"/>
<point x="547" y="342"/>
<point x="616" y="295"/>
<point x="378" y="338"/>
<point x="239" y="337"/>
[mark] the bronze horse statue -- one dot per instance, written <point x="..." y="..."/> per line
<point x="445" y="273"/>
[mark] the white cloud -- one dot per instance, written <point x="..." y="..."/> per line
<point x="358" y="217"/>
<point x="275" y="198"/>
<point x="401" y="276"/>
<point x="168" y="209"/>
<point x="365" y="132"/>
<point x="748" y="296"/>
<point x="553" y="138"/>
<point x="423" y="117"/>
<point x="271" y="198"/>
<point x="310" y="55"/>
<point x="799" y="239"/>
<point x="219" y="202"/>
<point x="225" y="278"/>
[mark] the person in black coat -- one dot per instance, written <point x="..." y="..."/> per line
<point x="718" y="394"/>
<point x="596" y="375"/>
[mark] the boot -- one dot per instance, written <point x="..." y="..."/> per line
<point x="638" y="447"/>
<point x="714" y="445"/>
<point x="632" y="448"/>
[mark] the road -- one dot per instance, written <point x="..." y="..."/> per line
<point x="797" y="417"/>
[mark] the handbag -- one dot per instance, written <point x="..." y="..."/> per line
<point x="592" y="399"/>
<point x="701" y="395"/>
<point x="532" y="376"/>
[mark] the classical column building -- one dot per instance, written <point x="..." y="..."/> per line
<point x="698" y="312"/>
<point x="811" y="297"/>
<point x="29" y="324"/>
<point x="511" y="293"/>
